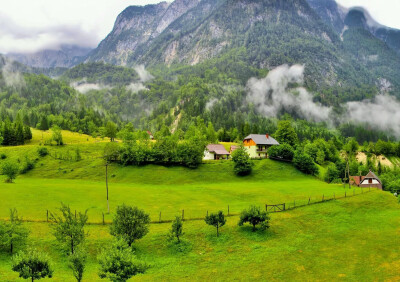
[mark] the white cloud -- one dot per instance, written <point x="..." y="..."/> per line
<point x="33" y="25"/>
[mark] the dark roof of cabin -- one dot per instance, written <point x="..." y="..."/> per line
<point x="373" y="176"/>
<point x="261" y="139"/>
<point x="217" y="149"/>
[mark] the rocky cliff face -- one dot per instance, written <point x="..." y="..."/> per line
<point x="67" y="56"/>
<point x="136" y="27"/>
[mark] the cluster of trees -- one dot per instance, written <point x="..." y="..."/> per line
<point x="117" y="262"/>
<point x="14" y="133"/>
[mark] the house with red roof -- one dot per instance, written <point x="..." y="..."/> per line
<point x="215" y="152"/>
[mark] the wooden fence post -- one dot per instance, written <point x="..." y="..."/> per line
<point x="334" y="196"/>
<point x="183" y="214"/>
<point x="47" y="216"/>
<point x="266" y="207"/>
<point x="159" y="220"/>
<point x="228" y="209"/>
<point x="103" y="218"/>
<point x="323" y="197"/>
<point x="284" y="206"/>
<point x="345" y="194"/>
<point x="294" y="204"/>
<point x="309" y="199"/>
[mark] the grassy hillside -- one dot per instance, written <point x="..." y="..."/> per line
<point x="342" y="234"/>
<point x="352" y="239"/>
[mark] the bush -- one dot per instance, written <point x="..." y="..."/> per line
<point x="217" y="220"/>
<point x="42" y="151"/>
<point x="3" y="156"/>
<point x="254" y="216"/>
<point x="284" y="152"/>
<point x="10" y="169"/>
<point x="304" y="163"/>
<point x="242" y="163"/>
<point x="119" y="263"/>
<point x="32" y="265"/>
<point x="27" y="165"/>
<point x="130" y="223"/>
<point x="332" y="173"/>
<point x="177" y="228"/>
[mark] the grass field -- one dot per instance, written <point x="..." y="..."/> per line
<point x="352" y="239"/>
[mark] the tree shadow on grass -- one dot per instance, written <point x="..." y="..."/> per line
<point x="258" y="235"/>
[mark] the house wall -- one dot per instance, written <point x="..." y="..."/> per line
<point x="365" y="182"/>
<point x="208" y="155"/>
<point x="254" y="154"/>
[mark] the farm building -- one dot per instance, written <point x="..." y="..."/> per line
<point x="370" y="180"/>
<point x="150" y="135"/>
<point x="257" y="145"/>
<point x="233" y="148"/>
<point x="215" y="152"/>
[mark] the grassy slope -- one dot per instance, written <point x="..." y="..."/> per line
<point x="352" y="238"/>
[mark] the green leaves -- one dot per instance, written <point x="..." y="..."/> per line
<point x="254" y="216"/>
<point x="32" y="265"/>
<point x="119" y="263"/>
<point x="130" y="224"/>
<point x="217" y="220"/>
<point x="242" y="163"/>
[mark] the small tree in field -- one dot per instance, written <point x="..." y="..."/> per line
<point x="10" y="170"/>
<point x="130" y="224"/>
<point x="177" y="228"/>
<point x="57" y="135"/>
<point x="242" y="163"/>
<point x="254" y="216"/>
<point x="68" y="228"/>
<point x="119" y="263"/>
<point x="216" y="219"/>
<point x="12" y="232"/>
<point x="77" y="262"/>
<point x="32" y="265"/>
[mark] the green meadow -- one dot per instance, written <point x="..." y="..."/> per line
<point x="350" y="239"/>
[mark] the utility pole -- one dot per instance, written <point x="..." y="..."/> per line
<point x="108" y="204"/>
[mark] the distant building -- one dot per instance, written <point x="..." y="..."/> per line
<point x="257" y="145"/>
<point x="150" y="135"/>
<point x="233" y="148"/>
<point x="215" y="152"/>
<point x="370" y="180"/>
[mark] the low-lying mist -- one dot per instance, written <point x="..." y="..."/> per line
<point x="281" y="91"/>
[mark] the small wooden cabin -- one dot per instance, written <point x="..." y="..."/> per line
<point x="370" y="180"/>
<point x="215" y="152"/>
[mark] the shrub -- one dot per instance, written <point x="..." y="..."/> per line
<point x="77" y="262"/>
<point x="254" y="216"/>
<point x="3" y="156"/>
<point x="217" y="220"/>
<point x="332" y="173"/>
<point x="68" y="228"/>
<point x="13" y="233"/>
<point x="304" y="163"/>
<point x="119" y="263"/>
<point x="177" y="228"/>
<point x="42" y="151"/>
<point x="130" y="224"/>
<point x="27" y="165"/>
<point x="242" y="163"/>
<point x="32" y="265"/>
<point x="284" y="152"/>
<point x="10" y="170"/>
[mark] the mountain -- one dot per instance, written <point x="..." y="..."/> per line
<point x="136" y="26"/>
<point x="330" y="12"/>
<point x="67" y="56"/>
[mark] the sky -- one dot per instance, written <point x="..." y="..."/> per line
<point x="28" y="26"/>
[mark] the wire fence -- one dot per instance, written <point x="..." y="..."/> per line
<point x="97" y="217"/>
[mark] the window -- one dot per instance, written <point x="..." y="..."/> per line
<point x="369" y="181"/>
